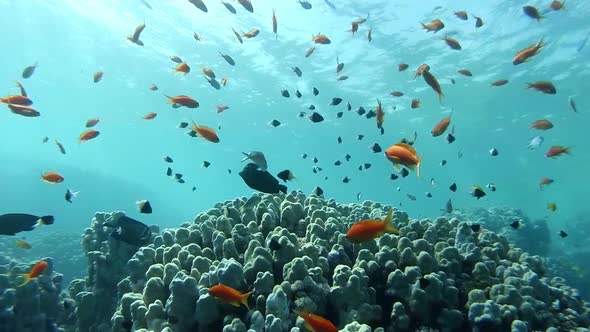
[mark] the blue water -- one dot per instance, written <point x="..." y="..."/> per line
<point x="71" y="40"/>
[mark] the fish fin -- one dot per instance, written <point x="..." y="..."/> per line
<point x="244" y="299"/>
<point x="396" y="166"/>
<point x="389" y="227"/>
<point x="247" y="156"/>
<point x="567" y="150"/>
<point x="27" y="279"/>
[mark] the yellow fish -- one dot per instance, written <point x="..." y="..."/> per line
<point x="552" y="207"/>
<point x="23" y="244"/>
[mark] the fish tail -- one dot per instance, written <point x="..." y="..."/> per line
<point x="247" y="156"/>
<point x="389" y="228"/>
<point x="567" y="150"/>
<point x="170" y="99"/>
<point x="27" y="279"/>
<point x="301" y="313"/>
<point x="244" y="299"/>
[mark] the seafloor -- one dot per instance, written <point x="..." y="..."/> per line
<point x="291" y="251"/>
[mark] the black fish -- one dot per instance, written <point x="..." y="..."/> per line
<point x="478" y="22"/>
<point x="450" y="138"/>
<point x="348" y="106"/>
<point x="229" y="7"/>
<point x="199" y="4"/>
<point x="339" y="140"/>
<point x="70" y="194"/>
<point x="183" y="125"/>
<point x="475" y="227"/>
<point x="367" y="165"/>
<point x="493" y="152"/>
<point x="491" y="186"/>
<point x="532" y="12"/>
<point x="213" y="82"/>
<point x="360" y="167"/>
<point x="360" y="137"/>
<point x="358" y="196"/>
<point x="180" y="180"/>
<point x="453" y="187"/>
<point x="393" y="176"/>
<point x="130" y="231"/>
<point x="347" y="157"/>
<point x="411" y="197"/>
<point x="316" y="169"/>
<point x="168" y="159"/>
<point x="346" y="179"/>
<point x="169" y="171"/>
<point x="304" y="156"/>
<point x="261" y="181"/>
<point x="337" y="163"/>
<point x="286" y="175"/>
<point x="315" y="160"/>
<point x="311" y="107"/>
<point x="13" y="223"/>
<point x="192" y="133"/>
<point x="339" y="114"/>
<point x="229" y="171"/>
<point x="30" y="70"/>
<point x="382" y="130"/>
<point x="325" y="177"/>
<point x="335" y="101"/>
<point x="301" y="114"/>
<point x="297" y="71"/>
<point x="423" y="282"/>
<point x="562" y="234"/>
<point x="275" y="123"/>
<point x="316" y="117"/>
<point x="316" y="91"/>
<point x="285" y="93"/>
<point x="453" y="80"/>
<point x="515" y="224"/>
<point x="194" y="188"/>
<point x="449" y="206"/>
<point x="361" y="111"/>
<point x="206" y="163"/>
<point x="144" y="206"/>
<point x="404" y="172"/>
<point x="370" y="114"/>
<point x="298" y="94"/>
<point x="477" y="192"/>
<point x="178" y="175"/>
<point x="376" y="148"/>
<point x="318" y="191"/>
<point x="428" y="194"/>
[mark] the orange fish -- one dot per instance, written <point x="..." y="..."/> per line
<point x="182" y="100"/>
<point x="23" y="92"/>
<point x="556" y="151"/>
<point x="396" y="93"/>
<point x="543" y="86"/>
<point x="461" y="14"/>
<point x="441" y="126"/>
<point x="316" y="323"/>
<point x="423" y="67"/>
<point x="52" y="177"/>
<point x="205" y="132"/>
<point x="208" y="71"/>
<point x="431" y="80"/>
<point x="309" y="52"/>
<point x="150" y="116"/>
<point x="88" y="135"/>
<point x="321" y="39"/>
<point x="134" y="38"/>
<point x="379" y="115"/>
<point x="402" y="66"/>
<point x="403" y="154"/>
<point x="221" y="108"/>
<point x="153" y="87"/>
<point x="453" y="43"/>
<point x="527" y="53"/>
<point x="60" y="147"/>
<point x="36" y="271"/>
<point x="435" y="26"/>
<point x="499" y="83"/>
<point x="465" y="72"/>
<point x="17" y="100"/>
<point x="182" y="68"/>
<point x="274" y="23"/>
<point x="23" y="110"/>
<point x="229" y="295"/>
<point x="542" y="124"/>
<point x="557" y="5"/>
<point x="415" y="103"/>
<point x="544" y="182"/>
<point x="369" y="229"/>
<point x="251" y="34"/>
<point x="92" y="122"/>
<point x="98" y="76"/>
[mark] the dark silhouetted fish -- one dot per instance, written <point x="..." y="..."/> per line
<point x="562" y="234"/>
<point x="229" y="7"/>
<point x="316" y="91"/>
<point x="335" y="101"/>
<point x="206" y="163"/>
<point x="339" y="114"/>
<point x="515" y="224"/>
<point x="168" y="159"/>
<point x="144" y="206"/>
<point x="13" y="223"/>
<point x="453" y="187"/>
<point x="347" y="157"/>
<point x="286" y="175"/>
<point x="346" y="179"/>
<point x="275" y="123"/>
<point x="297" y="71"/>
<point x="315" y="160"/>
<point x="30" y="70"/>
<point x="393" y="176"/>
<point x="130" y="231"/>
<point x="311" y="107"/>
<point x="317" y="191"/>
<point x="404" y="172"/>
<point x="169" y="171"/>
<point x="71" y="194"/>
<point x="298" y="94"/>
<point x="261" y="180"/>
<point x="228" y="59"/>
<point x="360" y="137"/>
<point x="376" y="148"/>
<point x="337" y="163"/>
<point x="316" y="117"/>
<point x="361" y="111"/>
<point x="183" y="125"/>
<point x="475" y="227"/>
<point x="285" y="93"/>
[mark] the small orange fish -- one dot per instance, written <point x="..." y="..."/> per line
<point x="542" y="124"/>
<point x="23" y="110"/>
<point x="431" y="80"/>
<point x="153" y="87"/>
<point x="396" y="93"/>
<point x="92" y="122"/>
<point x="527" y="53"/>
<point x="208" y="72"/>
<point x="23" y="92"/>
<point x="182" y="68"/>
<point x="36" y="271"/>
<point x="499" y="83"/>
<point x="370" y="229"/>
<point x="423" y="67"/>
<point x="98" y="76"/>
<point x="52" y="177"/>
<point x="552" y="207"/>
<point x="251" y="34"/>
<point x="321" y="39"/>
<point x="221" y="108"/>
<point x="379" y="115"/>
<point x="134" y="38"/>
<point x="557" y="5"/>
<point x="309" y="52"/>
<point x="150" y="116"/>
<point x="415" y="103"/>
<point x="556" y="151"/>
<point x="543" y="86"/>
<point x="461" y="14"/>
<point x="453" y="43"/>
<point x="545" y="182"/>
<point x="206" y="133"/>
<point x="88" y="135"/>
<point x="403" y="154"/>
<point x="230" y="295"/>
<point x="17" y="100"/>
<point x="441" y="126"/>
<point x="316" y="323"/>
<point x="60" y="147"/>
<point x="435" y="25"/>
<point x="465" y="72"/>
<point x="274" y="23"/>
<point x="182" y="100"/>
<point x="402" y="66"/>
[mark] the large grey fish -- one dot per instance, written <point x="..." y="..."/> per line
<point x="130" y="231"/>
<point x="257" y="157"/>
<point x="13" y="223"/>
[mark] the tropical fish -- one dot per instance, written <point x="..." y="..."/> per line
<point x="22" y="244"/>
<point x="545" y="182"/>
<point x="52" y="177"/>
<point x="230" y="295"/>
<point x="435" y="25"/>
<point x="36" y="271"/>
<point x="379" y="115"/>
<point x="23" y="92"/>
<point x="431" y="80"/>
<point x="477" y="192"/>
<point x="572" y="103"/>
<point x="70" y="195"/>
<point x="339" y="66"/>
<point x="134" y="38"/>
<point x="199" y="4"/>
<point x="465" y="72"/>
<point x="441" y="126"/>
<point x="369" y="229"/>
<point x="542" y="124"/>
<point x="97" y="76"/>
<point x="556" y="151"/>
<point x="29" y="70"/>
<point x="257" y="157"/>
<point x="316" y="323"/>
<point x="182" y="68"/>
<point x="461" y="14"/>
<point x="527" y="53"/>
<point x="22" y="110"/>
<point x="305" y="4"/>
<point x="88" y="135"/>
<point x="499" y="83"/>
<point x="552" y="207"/>
<point x="535" y="142"/>
<point x="205" y="132"/>
<point x="13" y="223"/>
<point x="144" y="206"/>
<point x="403" y="154"/>
<point x="557" y="5"/>
<point x="309" y="52"/>
<point x="92" y="122"/>
<point x="321" y="39"/>
<point x="17" y="100"/>
<point x="130" y="231"/>
<point x="260" y="180"/>
<point x="543" y="86"/>
<point x="60" y="147"/>
<point x="532" y="12"/>
<point x="415" y="103"/>
<point x="274" y="23"/>
<point x="229" y="7"/>
<point x="402" y="66"/>
<point x="182" y="100"/>
<point x="247" y="4"/>
<point x="251" y="34"/>
<point x="286" y="175"/>
<point x="452" y="43"/>
<point x="150" y="116"/>
<point x="478" y="21"/>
